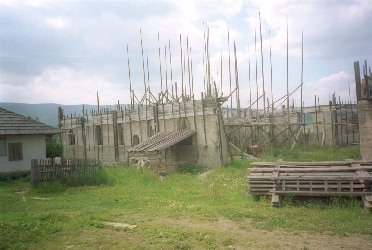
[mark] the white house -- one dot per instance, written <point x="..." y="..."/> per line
<point x="21" y="139"/>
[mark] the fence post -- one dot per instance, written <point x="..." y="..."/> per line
<point x="34" y="172"/>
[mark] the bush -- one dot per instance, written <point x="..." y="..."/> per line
<point x="191" y="168"/>
<point x="54" y="147"/>
<point x="100" y="177"/>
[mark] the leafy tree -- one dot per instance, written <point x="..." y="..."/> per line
<point x="54" y="147"/>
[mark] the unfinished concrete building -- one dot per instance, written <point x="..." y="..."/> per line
<point x="171" y="129"/>
<point x="163" y="134"/>
<point x="335" y="124"/>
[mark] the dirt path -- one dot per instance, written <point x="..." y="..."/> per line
<point x="245" y="236"/>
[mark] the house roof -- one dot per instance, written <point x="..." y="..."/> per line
<point x="15" y="124"/>
<point x="162" y="140"/>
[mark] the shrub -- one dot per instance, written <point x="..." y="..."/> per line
<point x="54" y="147"/>
<point x="100" y="177"/>
<point x="191" y="168"/>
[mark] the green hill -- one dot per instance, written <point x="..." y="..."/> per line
<point x="47" y="112"/>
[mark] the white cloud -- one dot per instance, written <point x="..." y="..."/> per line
<point x="14" y="3"/>
<point x="324" y="87"/>
<point x="56" y="22"/>
<point x="67" y="86"/>
<point x="88" y="45"/>
<point x="325" y="24"/>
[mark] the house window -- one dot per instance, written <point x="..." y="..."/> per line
<point x="99" y="135"/>
<point x="15" y="151"/>
<point x="71" y="137"/>
<point x="135" y="140"/>
<point x="2" y="147"/>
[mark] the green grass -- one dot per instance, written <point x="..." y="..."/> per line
<point x="180" y="212"/>
<point x="312" y="153"/>
<point x="100" y="177"/>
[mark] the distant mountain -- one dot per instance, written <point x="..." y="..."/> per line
<point x="48" y="112"/>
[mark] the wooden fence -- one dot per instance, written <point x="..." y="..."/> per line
<point x="345" y="178"/>
<point x="46" y="170"/>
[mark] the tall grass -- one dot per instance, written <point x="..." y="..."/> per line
<point x="99" y="177"/>
<point x="75" y="215"/>
<point x="190" y="168"/>
<point x="311" y="153"/>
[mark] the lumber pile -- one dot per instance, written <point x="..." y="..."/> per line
<point x="345" y="178"/>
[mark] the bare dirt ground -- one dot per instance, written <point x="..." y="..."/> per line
<point x="221" y="233"/>
<point x="245" y="236"/>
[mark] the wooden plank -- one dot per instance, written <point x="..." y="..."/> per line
<point x="261" y="186"/>
<point x="322" y="178"/>
<point x="308" y="193"/>
<point x="315" y="179"/>
<point x="313" y="169"/>
<point x="320" y="163"/>
<point x="322" y="186"/>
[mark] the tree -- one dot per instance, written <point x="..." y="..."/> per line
<point x="54" y="147"/>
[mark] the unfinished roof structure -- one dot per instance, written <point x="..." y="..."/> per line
<point x="162" y="140"/>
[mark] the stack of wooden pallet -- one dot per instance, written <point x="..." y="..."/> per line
<point x="345" y="178"/>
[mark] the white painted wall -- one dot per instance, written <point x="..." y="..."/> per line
<point x="34" y="147"/>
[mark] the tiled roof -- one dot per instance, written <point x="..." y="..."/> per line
<point x="15" y="124"/>
<point x="162" y="140"/>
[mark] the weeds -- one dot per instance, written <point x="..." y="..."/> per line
<point x="191" y="169"/>
<point x="311" y="153"/>
<point x="100" y="177"/>
<point x="182" y="211"/>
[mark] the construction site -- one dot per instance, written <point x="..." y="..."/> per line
<point x="177" y="126"/>
<point x="169" y="129"/>
<point x="175" y="133"/>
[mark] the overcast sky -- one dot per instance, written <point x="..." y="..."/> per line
<point x="66" y="51"/>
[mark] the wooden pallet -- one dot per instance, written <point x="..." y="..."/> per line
<point x="346" y="178"/>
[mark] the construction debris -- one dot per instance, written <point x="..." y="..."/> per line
<point x="344" y="178"/>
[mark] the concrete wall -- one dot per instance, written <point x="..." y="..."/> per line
<point x="344" y="130"/>
<point x="144" y="122"/>
<point x="320" y="122"/>
<point x="365" y="128"/>
<point x="34" y="147"/>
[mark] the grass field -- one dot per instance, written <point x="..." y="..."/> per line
<point x="185" y="210"/>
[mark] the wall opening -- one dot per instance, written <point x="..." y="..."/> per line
<point x="150" y="128"/>
<point x="120" y="131"/>
<point x="71" y="137"/>
<point x="306" y="118"/>
<point x="99" y="135"/>
<point x="183" y="123"/>
<point x="135" y="140"/>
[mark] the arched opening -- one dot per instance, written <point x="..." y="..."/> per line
<point x="99" y="135"/>
<point x="183" y="123"/>
<point x="135" y="140"/>
<point x="150" y="128"/>
<point x="71" y="137"/>
<point x="120" y="131"/>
